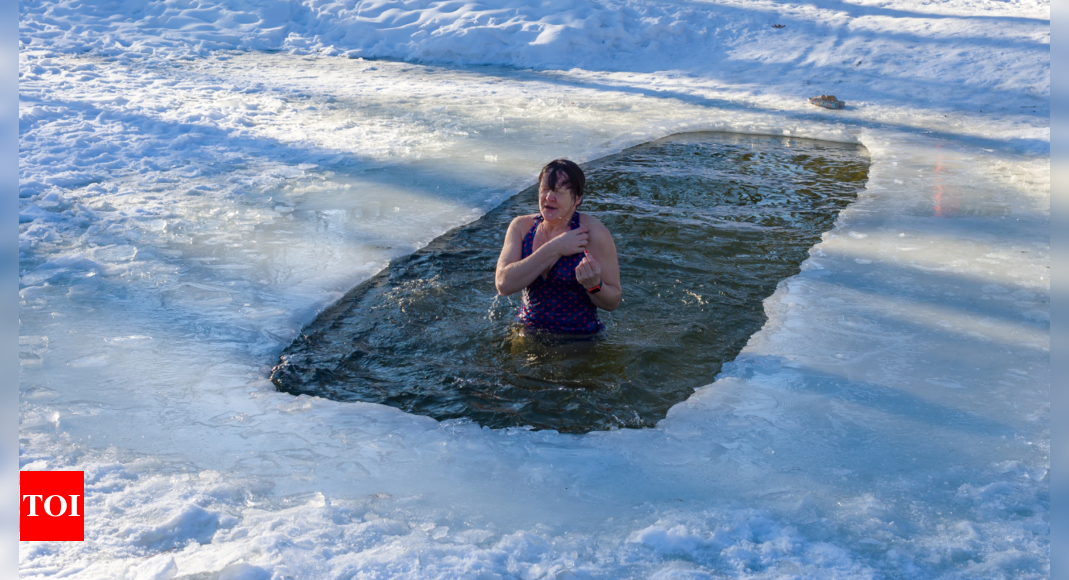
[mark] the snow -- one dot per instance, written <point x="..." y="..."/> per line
<point x="197" y="180"/>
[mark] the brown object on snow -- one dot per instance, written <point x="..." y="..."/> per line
<point x="827" y="101"/>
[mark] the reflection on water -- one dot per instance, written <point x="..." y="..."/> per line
<point x="706" y="225"/>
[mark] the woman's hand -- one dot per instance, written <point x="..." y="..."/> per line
<point x="588" y="272"/>
<point x="570" y="242"/>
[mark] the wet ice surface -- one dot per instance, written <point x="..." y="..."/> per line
<point x="705" y="224"/>
<point x="891" y="419"/>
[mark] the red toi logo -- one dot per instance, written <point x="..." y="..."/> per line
<point x="52" y="506"/>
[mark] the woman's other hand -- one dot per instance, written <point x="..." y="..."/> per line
<point x="570" y="242"/>
<point x="588" y="272"/>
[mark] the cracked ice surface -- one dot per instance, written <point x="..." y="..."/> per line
<point x="181" y="219"/>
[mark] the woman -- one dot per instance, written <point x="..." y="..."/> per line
<point x="565" y="262"/>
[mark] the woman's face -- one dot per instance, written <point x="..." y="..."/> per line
<point x="556" y="203"/>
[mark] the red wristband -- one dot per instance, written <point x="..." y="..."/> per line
<point x="595" y="289"/>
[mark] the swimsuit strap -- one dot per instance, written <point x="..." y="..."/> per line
<point x="527" y="248"/>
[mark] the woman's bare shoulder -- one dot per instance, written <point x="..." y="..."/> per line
<point x="523" y="221"/>
<point x="594" y="224"/>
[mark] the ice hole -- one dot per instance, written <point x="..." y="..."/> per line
<point x="706" y="226"/>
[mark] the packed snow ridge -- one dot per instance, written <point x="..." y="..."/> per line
<point x="950" y="52"/>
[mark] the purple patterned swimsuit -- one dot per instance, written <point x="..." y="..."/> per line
<point x="558" y="303"/>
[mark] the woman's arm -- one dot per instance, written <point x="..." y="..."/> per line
<point x="514" y="274"/>
<point x="601" y="265"/>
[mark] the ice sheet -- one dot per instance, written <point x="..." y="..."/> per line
<point x="180" y="219"/>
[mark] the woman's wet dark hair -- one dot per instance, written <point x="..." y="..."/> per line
<point x="552" y="173"/>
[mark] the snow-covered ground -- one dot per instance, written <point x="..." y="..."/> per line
<point x="197" y="180"/>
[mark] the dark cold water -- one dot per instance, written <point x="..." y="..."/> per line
<point x="706" y="225"/>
